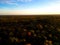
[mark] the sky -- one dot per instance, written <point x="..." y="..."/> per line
<point x="18" y="7"/>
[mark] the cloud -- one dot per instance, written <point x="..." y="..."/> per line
<point x="7" y="1"/>
<point x="14" y="1"/>
<point x="24" y="0"/>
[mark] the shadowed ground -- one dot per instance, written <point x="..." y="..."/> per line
<point x="30" y="30"/>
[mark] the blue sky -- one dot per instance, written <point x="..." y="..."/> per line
<point x="29" y="6"/>
<point x="23" y="4"/>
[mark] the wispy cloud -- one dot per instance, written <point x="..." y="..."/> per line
<point x="24" y="0"/>
<point x="14" y="1"/>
